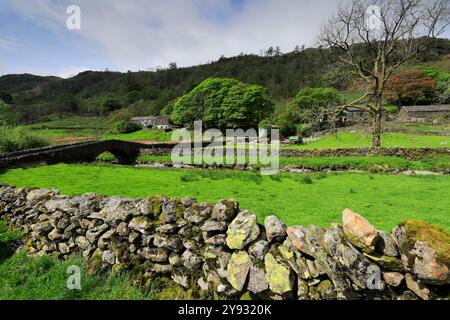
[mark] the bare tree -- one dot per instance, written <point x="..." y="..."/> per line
<point x="376" y="37"/>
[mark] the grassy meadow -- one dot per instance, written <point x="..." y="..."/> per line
<point x="370" y="164"/>
<point x="388" y="140"/>
<point x="299" y="199"/>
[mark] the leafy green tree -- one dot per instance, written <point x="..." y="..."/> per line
<point x="108" y="105"/>
<point x="118" y="115"/>
<point x="305" y="109"/>
<point x="119" y="121"/>
<point x="8" y="115"/>
<point x="6" y="98"/>
<point x="125" y="127"/>
<point x="223" y="103"/>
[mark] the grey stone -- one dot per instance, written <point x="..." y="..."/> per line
<point x="190" y="260"/>
<point x="225" y="210"/>
<point x="386" y="245"/>
<point x="214" y="226"/>
<point x="154" y="255"/>
<point x="172" y="243"/>
<point x="259" y="249"/>
<point x="393" y="279"/>
<point x="238" y="269"/>
<point x="275" y="229"/>
<point x="351" y="261"/>
<point x="257" y="280"/>
<point x="243" y="230"/>
<point x="108" y="257"/>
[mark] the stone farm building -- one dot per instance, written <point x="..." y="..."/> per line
<point x="354" y="116"/>
<point x="423" y="113"/>
<point x="154" y="122"/>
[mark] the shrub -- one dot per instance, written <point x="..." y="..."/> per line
<point x="125" y="127"/>
<point x="305" y="108"/>
<point x="118" y="115"/>
<point x="16" y="139"/>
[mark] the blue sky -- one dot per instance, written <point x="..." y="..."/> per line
<point x="144" y="34"/>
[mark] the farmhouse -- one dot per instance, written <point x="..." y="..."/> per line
<point x="354" y="115"/>
<point x="423" y="113"/>
<point x="154" y="122"/>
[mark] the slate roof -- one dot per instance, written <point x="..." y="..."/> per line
<point x="436" y="108"/>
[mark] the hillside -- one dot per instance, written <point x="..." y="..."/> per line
<point x="148" y="92"/>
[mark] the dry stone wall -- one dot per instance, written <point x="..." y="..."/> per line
<point x="221" y="250"/>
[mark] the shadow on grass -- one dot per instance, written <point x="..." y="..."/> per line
<point x="9" y="241"/>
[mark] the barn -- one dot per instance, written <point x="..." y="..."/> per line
<point x="423" y="113"/>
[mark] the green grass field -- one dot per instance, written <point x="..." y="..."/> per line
<point x="389" y="140"/>
<point x="57" y="133"/>
<point x="372" y="164"/>
<point x="148" y="135"/>
<point x="424" y="128"/>
<point x="72" y="122"/>
<point x="299" y="199"/>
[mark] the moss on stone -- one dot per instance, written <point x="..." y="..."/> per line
<point x="434" y="236"/>
<point x="94" y="263"/>
<point x="326" y="290"/>
<point x="389" y="263"/>
<point x="230" y="209"/>
<point x="155" y="204"/>
<point x="117" y="268"/>
<point x="179" y="212"/>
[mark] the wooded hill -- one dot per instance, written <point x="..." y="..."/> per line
<point x="148" y="92"/>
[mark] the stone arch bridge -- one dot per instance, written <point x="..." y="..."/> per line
<point x="126" y="153"/>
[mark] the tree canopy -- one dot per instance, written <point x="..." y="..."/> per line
<point x="222" y="104"/>
<point x="302" y="112"/>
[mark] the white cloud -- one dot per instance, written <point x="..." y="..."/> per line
<point x="140" y="34"/>
<point x="70" y="71"/>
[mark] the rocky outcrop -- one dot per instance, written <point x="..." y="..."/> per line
<point x="223" y="250"/>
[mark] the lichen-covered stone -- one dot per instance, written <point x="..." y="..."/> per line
<point x="225" y="210"/>
<point x="278" y="275"/>
<point x="190" y="260"/>
<point x="108" y="257"/>
<point x="360" y="232"/>
<point x="294" y="259"/>
<point x="302" y="289"/>
<point x="197" y="213"/>
<point x="238" y="269"/>
<point x="214" y="226"/>
<point x="425" y="251"/>
<point x="275" y="229"/>
<point x="326" y="290"/>
<point x="154" y="255"/>
<point x="172" y="243"/>
<point x="388" y="263"/>
<point x="351" y="261"/>
<point x="243" y="230"/>
<point x="217" y="240"/>
<point x="140" y="224"/>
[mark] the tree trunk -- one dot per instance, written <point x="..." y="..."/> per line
<point x="376" y="128"/>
